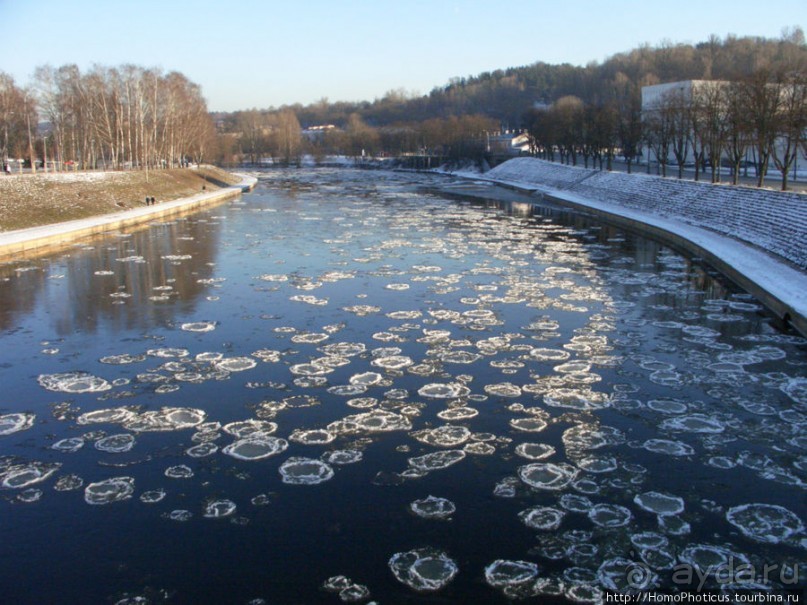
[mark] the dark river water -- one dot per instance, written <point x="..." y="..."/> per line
<point x="347" y="386"/>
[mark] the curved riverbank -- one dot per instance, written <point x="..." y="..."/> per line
<point x="44" y="239"/>
<point x="757" y="238"/>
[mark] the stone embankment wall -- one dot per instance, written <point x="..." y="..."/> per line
<point x="772" y="220"/>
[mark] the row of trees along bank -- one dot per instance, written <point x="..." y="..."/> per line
<point x="128" y="116"/>
<point x="702" y="123"/>
<point x="109" y="117"/>
<point x="254" y="136"/>
<point x="574" y="113"/>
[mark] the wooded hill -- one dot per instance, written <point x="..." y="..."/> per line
<point x="504" y="95"/>
<point x="599" y="103"/>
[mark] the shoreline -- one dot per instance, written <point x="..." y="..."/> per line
<point x="779" y="285"/>
<point x="38" y="241"/>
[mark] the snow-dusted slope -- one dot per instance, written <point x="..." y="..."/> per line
<point x="771" y="220"/>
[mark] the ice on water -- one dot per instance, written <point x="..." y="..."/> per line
<point x="116" y="444"/>
<point x="768" y="523"/>
<point x="659" y="503"/>
<point x="13" y="423"/>
<point x="199" y="326"/>
<point x="74" y="382"/>
<point x="256" y="447"/>
<point x="423" y="569"/>
<point x="217" y="509"/>
<point x="544" y="518"/>
<point x="299" y="470"/>
<point x="444" y="436"/>
<point x="547" y="475"/>
<point x="535" y="451"/>
<point x="436" y="460"/>
<point x="433" y="507"/>
<point x="110" y="490"/>
<point x="22" y="475"/>
<point x="68" y="444"/>
<point x="546" y="355"/>
<point x="503" y="573"/>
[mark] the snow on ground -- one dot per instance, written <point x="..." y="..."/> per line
<point x="75" y="177"/>
<point x="771" y="220"/>
<point x="751" y="230"/>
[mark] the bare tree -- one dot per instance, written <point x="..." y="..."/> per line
<point x="588" y="142"/>
<point x="658" y="127"/>
<point x="676" y="105"/>
<point x="362" y="139"/>
<point x="567" y="113"/>
<point x="762" y="102"/>
<point x="542" y="131"/>
<point x="738" y="128"/>
<point x="127" y="116"/>
<point x="629" y="117"/>
<point x="697" y="132"/>
<point x="711" y="104"/>
<point x="287" y="137"/>
<point x="30" y="116"/>
<point x="254" y="128"/>
<point x="603" y="134"/>
<point x="791" y="122"/>
<point x="13" y="114"/>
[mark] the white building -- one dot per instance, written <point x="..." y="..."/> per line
<point x="654" y="96"/>
<point x="685" y="92"/>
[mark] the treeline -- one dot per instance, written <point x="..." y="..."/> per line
<point x="591" y="112"/>
<point x="109" y="117"/>
<point x="718" y="123"/>
<point x="255" y="136"/>
<point x="702" y="123"/>
<point x="128" y="116"/>
<point x="504" y="94"/>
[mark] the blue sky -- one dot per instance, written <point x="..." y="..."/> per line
<point x="253" y="53"/>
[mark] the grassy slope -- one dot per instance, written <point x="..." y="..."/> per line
<point x="31" y="200"/>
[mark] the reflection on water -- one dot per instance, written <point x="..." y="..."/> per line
<point x="349" y="387"/>
<point x="123" y="281"/>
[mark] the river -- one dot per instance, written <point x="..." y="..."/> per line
<point x="349" y="386"/>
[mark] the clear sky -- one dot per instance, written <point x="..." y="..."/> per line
<point x="264" y="53"/>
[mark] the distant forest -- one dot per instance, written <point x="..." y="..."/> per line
<point x="505" y="94"/>
<point x="129" y="116"/>
<point x="450" y="118"/>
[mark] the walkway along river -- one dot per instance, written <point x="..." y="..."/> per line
<point x="347" y="386"/>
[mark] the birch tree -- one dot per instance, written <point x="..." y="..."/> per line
<point x="12" y="117"/>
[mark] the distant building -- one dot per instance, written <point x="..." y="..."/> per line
<point x="315" y="133"/>
<point x="507" y="142"/>
<point x="686" y="92"/>
<point x="654" y="96"/>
